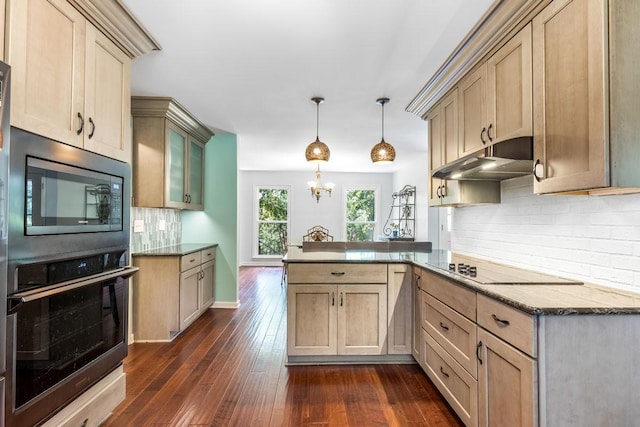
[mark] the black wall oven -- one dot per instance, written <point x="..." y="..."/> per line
<point x="67" y="275"/>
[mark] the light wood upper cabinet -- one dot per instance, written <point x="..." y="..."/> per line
<point x="495" y="99"/>
<point x="474" y="129"/>
<point x="46" y="50"/>
<point x="107" y="98"/>
<point x="70" y="81"/>
<point x="443" y="148"/>
<point x="509" y="89"/>
<point x="168" y="154"/>
<point x="570" y="141"/>
<point x="586" y="97"/>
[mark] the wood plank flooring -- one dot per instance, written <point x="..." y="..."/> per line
<point x="228" y="369"/>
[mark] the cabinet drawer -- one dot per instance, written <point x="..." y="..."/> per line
<point x="458" y="387"/>
<point x="454" y="332"/>
<point x="189" y="261"/>
<point x="207" y="255"/>
<point x="459" y="298"/>
<point x="512" y="325"/>
<point x="337" y="273"/>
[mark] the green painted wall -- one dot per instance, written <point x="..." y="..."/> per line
<point x="218" y="222"/>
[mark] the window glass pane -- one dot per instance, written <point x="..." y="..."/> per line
<point x="272" y="204"/>
<point x="271" y="238"/>
<point x="361" y="205"/>
<point x="273" y="217"/>
<point x="360" y="232"/>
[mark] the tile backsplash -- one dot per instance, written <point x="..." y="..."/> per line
<point x="595" y="239"/>
<point x="152" y="236"/>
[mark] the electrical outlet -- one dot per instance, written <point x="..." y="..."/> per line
<point x="138" y="226"/>
<point x="162" y="225"/>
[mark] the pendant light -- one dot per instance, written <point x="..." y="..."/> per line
<point x="383" y="152"/>
<point x="317" y="151"/>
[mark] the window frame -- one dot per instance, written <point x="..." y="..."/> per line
<point x="257" y="221"/>
<point x="376" y="206"/>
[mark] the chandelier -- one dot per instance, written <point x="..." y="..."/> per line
<point x="383" y="152"/>
<point x="317" y="187"/>
<point x="317" y="151"/>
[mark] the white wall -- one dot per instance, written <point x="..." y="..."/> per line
<point x="305" y="212"/>
<point x="418" y="175"/>
<point x="589" y="238"/>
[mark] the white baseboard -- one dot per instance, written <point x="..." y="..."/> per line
<point x="261" y="264"/>
<point x="226" y="304"/>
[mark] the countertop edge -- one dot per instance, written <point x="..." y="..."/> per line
<point x="542" y="311"/>
<point x="175" y="250"/>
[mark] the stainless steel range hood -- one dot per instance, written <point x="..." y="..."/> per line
<point x="504" y="160"/>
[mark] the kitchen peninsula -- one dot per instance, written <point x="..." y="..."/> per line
<point x="497" y="341"/>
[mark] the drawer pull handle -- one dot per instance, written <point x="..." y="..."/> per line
<point x="333" y="299"/>
<point x="341" y="300"/>
<point x="192" y="260"/>
<point x="337" y="273"/>
<point x="499" y="321"/>
<point x="443" y="372"/>
<point x="478" y="352"/>
<point x="443" y="326"/>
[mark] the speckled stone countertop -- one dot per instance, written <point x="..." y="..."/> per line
<point x="536" y="293"/>
<point x="176" y="250"/>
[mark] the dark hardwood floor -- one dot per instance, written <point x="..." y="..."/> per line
<point x="228" y="369"/>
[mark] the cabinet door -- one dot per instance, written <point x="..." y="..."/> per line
<point x="176" y="165"/>
<point x="107" y="97"/>
<point x="195" y="191"/>
<point x="189" y="308"/>
<point x="207" y="285"/>
<point x="416" y="315"/>
<point x="570" y="143"/>
<point x="46" y="51"/>
<point x="507" y="386"/>
<point x="311" y="320"/>
<point x="399" y="312"/>
<point x="509" y="89"/>
<point x="434" y="119"/>
<point x="362" y="319"/>
<point x="472" y="126"/>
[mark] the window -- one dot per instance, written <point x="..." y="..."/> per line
<point x="273" y="220"/>
<point x="360" y="214"/>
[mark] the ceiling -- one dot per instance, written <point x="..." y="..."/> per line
<point x="251" y="67"/>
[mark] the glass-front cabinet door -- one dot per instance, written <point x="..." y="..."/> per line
<point x="176" y="164"/>
<point x="196" y="175"/>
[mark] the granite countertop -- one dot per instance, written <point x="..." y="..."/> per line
<point x="176" y="250"/>
<point x="538" y="293"/>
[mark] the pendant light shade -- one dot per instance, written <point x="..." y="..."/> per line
<point x="383" y="152"/>
<point x="317" y="151"/>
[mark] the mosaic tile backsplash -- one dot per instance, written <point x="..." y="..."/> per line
<point x="152" y="237"/>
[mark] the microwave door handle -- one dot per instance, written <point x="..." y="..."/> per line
<point x="15" y="301"/>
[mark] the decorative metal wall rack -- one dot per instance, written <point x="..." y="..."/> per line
<point x="401" y="221"/>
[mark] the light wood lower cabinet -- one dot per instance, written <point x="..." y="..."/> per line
<point x="170" y="292"/>
<point x="506" y="384"/>
<point x="400" y="321"/>
<point x="336" y="319"/>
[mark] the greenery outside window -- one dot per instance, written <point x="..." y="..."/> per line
<point x="360" y="214"/>
<point x="272" y="220"/>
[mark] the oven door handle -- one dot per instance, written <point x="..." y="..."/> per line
<point x="15" y="301"/>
